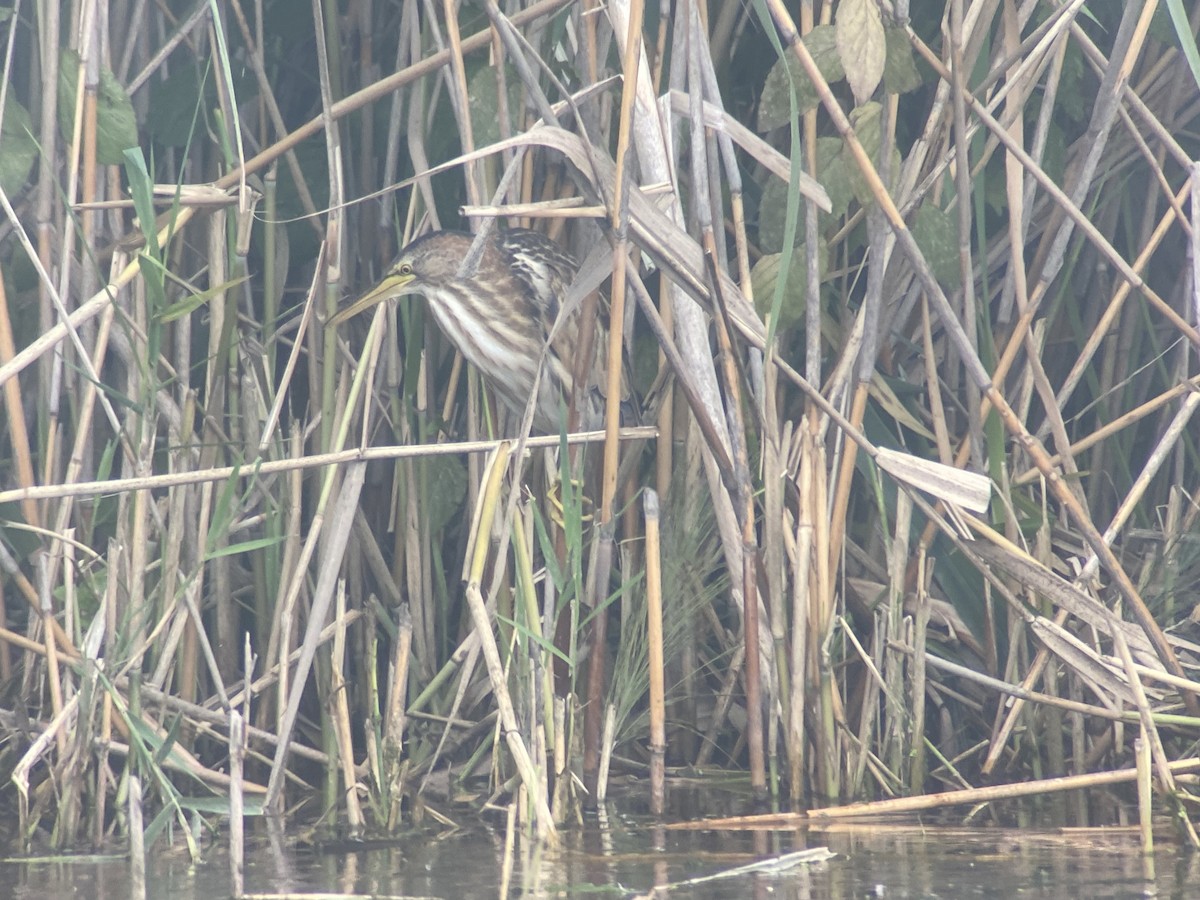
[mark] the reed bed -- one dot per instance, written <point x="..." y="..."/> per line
<point x="918" y="517"/>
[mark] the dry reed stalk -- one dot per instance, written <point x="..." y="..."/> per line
<point x="342" y="514"/>
<point x="137" y="841"/>
<point x="176" y="553"/>
<point x="506" y="866"/>
<point x="1125" y="420"/>
<point x="607" y="743"/>
<point x="802" y="621"/>
<point x="774" y="539"/>
<point x="596" y="636"/>
<point x="48" y="186"/>
<point x="394" y="718"/>
<point x="919" y="679"/>
<point x="896" y="726"/>
<point x="690" y="327"/>
<point x="334" y="243"/>
<point x="1151" y="467"/>
<point x="1077" y="218"/>
<point x="979" y="375"/>
<point x="655" y="660"/>
<point x="340" y="715"/>
<point x="476" y="556"/>
<point x="749" y="549"/>
<point x="18" y="434"/>
<point x="562" y="777"/>
<point x="1026" y="317"/>
<point x="471" y="649"/>
<point x="237" y="848"/>
<point x="906" y="805"/>
<point x="820" y="631"/>
<point x="536" y="650"/>
<point x="1145" y="793"/>
<point x="53" y="672"/>
<point x="294" y="464"/>
<point x="741" y="488"/>
<point x="275" y="673"/>
<point x="595" y="747"/>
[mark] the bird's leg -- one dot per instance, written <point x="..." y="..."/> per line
<point x="554" y="494"/>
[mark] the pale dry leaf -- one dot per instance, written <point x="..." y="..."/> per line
<point x="970" y="490"/>
<point x="862" y="44"/>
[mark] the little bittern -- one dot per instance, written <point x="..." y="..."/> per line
<point x="501" y="316"/>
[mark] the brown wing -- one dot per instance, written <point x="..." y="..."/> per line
<point x="542" y="266"/>
<point x="547" y="271"/>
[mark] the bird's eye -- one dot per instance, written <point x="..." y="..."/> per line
<point x="404" y="269"/>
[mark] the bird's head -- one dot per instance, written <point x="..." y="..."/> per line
<point x="423" y="267"/>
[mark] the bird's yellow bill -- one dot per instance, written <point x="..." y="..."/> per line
<point x="391" y="286"/>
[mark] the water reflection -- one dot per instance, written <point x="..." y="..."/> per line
<point x="625" y="854"/>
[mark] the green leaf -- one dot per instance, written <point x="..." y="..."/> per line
<point x="643" y="361"/>
<point x="822" y="46"/>
<point x="163" y="753"/>
<point x="549" y="554"/>
<point x="116" y="125"/>
<point x="774" y="107"/>
<point x="544" y="643"/>
<point x="447" y="486"/>
<point x="20" y="147"/>
<point x="483" y="92"/>
<point x="222" y="513"/>
<point x="900" y="73"/>
<point x="772" y="216"/>
<point x="765" y="276"/>
<point x="834" y="174"/>
<point x="936" y="234"/>
<point x="195" y="301"/>
<point x="141" y="188"/>
<point x="1187" y="40"/>
<point x="862" y="190"/>
<point x="219" y="806"/>
<point x="866" y="120"/>
<point x="243" y="547"/>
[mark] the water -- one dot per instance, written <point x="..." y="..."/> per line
<point x="628" y="855"/>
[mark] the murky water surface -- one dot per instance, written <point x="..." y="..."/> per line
<point x="626" y="856"/>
